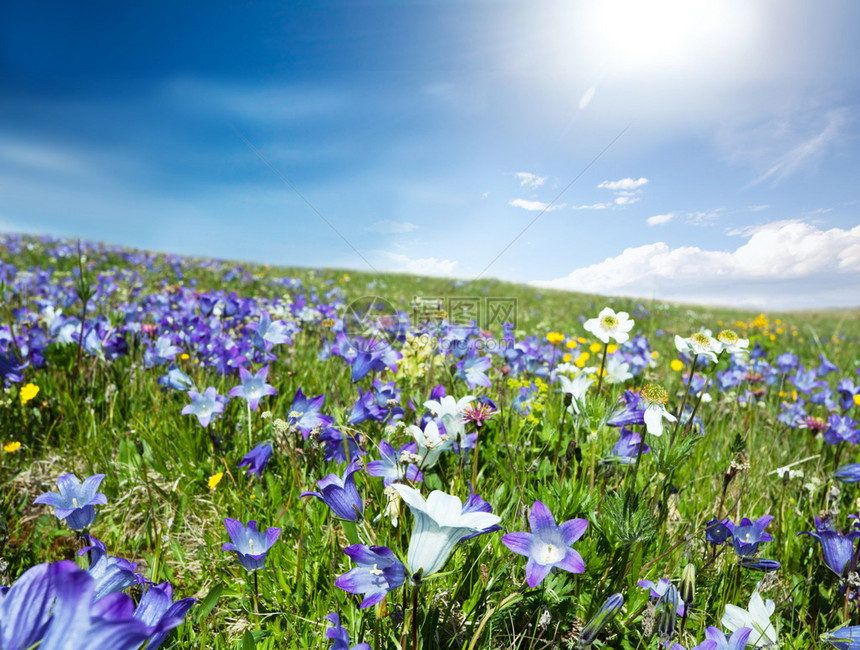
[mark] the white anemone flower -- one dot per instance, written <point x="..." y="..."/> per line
<point x="450" y="410"/>
<point x="439" y="524"/>
<point x="732" y="343"/>
<point x="430" y="443"/>
<point x="576" y="388"/>
<point x="756" y="617"/>
<point x="654" y="397"/>
<point x="617" y="370"/>
<point x="608" y="325"/>
<point x="699" y="344"/>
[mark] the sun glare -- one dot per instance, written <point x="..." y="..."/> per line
<point x="630" y="36"/>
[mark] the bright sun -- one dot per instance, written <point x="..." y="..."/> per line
<point x="629" y="36"/>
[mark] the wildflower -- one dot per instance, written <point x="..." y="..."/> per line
<point x="11" y="447"/>
<point x="473" y="370"/>
<point x="589" y="633"/>
<point x="841" y="429"/>
<point x="160" y="353"/>
<point x="845" y="638"/>
<point x="848" y="473"/>
<point x="759" y="564"/>
<point x="608" y="325"/>
<point x="658" y="591"/>
<point x="395" y="465"/>
<point x="716" y="640"/>
<point x="732" y="343"/>
<point x="837" y="548"/>
<point x="378" y="572"/>
<point x="554" y="337"/>
<point x="576" y="388"/>
<point x="305" y="413"/>
<point x="756" y="616"/>
<point x="450" y="411"/>
<point x="339" y="446"/>
<point x="717" y="532"/>
<point x="480" y="411"/>
<point x="430" y="443"/>
<point x="251" y="546"/>
<point x="747" y="535"/>
<point x="439" y="524"/>
<point x="175" y="379"/>
<point x="666" y="612"/>
<point x="28" y="392"/>
<point x="340" y="636"/>
<point x="340" y="494"/>
<point x="214" y="480"/>
<point x="75" y="501"/>
<point x="699" y="344"/>
<point x="253" y="387"/>
<point x="257" y="459"/>
<point x="158" y="611"/>
<point x="654" y="397"/>
<point x="204" y="405"/>
<point x="547" y="545"/>
<point x="111" y="574"/>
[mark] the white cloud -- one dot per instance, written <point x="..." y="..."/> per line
<point x="657" y="219"/>
<point x="389" y="226"/>
<point x="625" y="199"/>
<point x="757" y="208"/>
<point x="421" y="265"/>
<point x="782" y="265"/>
<point x="527" y="179"/>
<point x="586" y="98"/>
<point x="625" y="184"/>
<point x="593" y="206"/>
<point x="534" y="206"/>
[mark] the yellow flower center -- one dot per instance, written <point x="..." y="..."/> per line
<point x="727" y="336"/>
<point x="609" y="322"/>
<point x="655" y="394"/>
<point x="702" y="339"/>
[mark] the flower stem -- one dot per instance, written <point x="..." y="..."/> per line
<point x="602" y="367"/>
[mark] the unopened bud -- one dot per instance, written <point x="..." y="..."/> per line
<point x="666" y="612"/>
<point x="589" y="633"/>
<point x="688" y="584"/>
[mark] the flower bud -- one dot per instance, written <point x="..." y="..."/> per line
<point x="592" y="628"/>
<point x="688" y="584"/>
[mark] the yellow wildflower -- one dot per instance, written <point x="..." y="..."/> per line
<point x="582" y="359"/>
<point x="28" y="392"/>
<point x="215" y="479"/>
<point x="571" y="344"/>
<point x="184" y="356"/>
<point x="555" y="337"/>
<point x="857" y="400"/>
<point x="11" y="447"/>
<point x="611" y="348"/>
<point x="677" y="365"/>
<point x="566" y="358"/>
<point x="595" y="347"/>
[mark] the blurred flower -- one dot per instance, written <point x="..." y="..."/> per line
<point x="378" y="572"/>
<point x="75" y="501"/>
<point x="11" y="447"/>
<point x="28" y="392"/>
<point x="214" y="480"/>
<point x="175" y="379"/>
<point x="251" y="545"/>
<point x="845" y="638"/>
<point x="555" y="337"/>
<point x="732" y="343"/>
<point x="699" y="344"/>
<point x="547" y="545"/>
<point x="257" y="459"/>
<point x="848" y="473"/>
<point x="576" y="388"/>
<point x="340" y="636"/>
<point x="439" y="524"/>
<point x="608" y="325"/>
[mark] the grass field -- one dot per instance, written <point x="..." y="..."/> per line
<point x="162" y="373"/>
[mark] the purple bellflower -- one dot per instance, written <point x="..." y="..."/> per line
<point x="340" y="494"/>
<point x="75" y="501"/>
<point x="658" y="590"/>
<point x="204" y="405"/>
<point x="845" y="638"/>
<point x="547" y="545"/>
<point x="305" y="413"/>
<point x="378" y="572"/>
<point x="250" y="545"/>
<point x="747" y="535"/>
<point x="837" y="548"/>
<point x="111" y="574"/>
<point x="253" y="387"/>
<point x="158" y="611"/>
<point x="338" y="634"/>
<point x="257" y="459"/>
<point x="716" y="640"/>
<point x="848" y="473"/>
<point x="395" y="465"/>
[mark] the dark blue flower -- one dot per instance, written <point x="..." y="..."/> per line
<point x="747" y="535"/>
<point x="340" y="494"/>
<point x="340" y="636"/>
<point x="848" y="473"/>
<point x="257" y="459"/>
<point x="837" y="548"/>
<point x="718" y="531"/>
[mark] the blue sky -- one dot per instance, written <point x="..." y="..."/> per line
<point x="712" y="147"/>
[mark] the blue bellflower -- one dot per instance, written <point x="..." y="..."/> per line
<point x="378" y="572"/>
<point x="250" y="545"/>
<point x="340" y="637"/>
<point x="340" y="494"/>
<point x="257" y="459"/>
<point x="547" y="545"/>
<point x="75" y="501"/>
